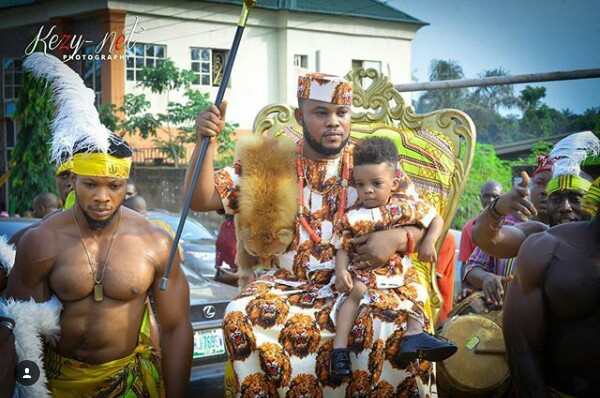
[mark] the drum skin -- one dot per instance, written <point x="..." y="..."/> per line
<point x="479" y="368"/>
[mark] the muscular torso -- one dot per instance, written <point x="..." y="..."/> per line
<point x="572" y="293"/>
<point x="98" y="332"/>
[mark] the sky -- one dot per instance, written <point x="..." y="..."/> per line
<point x="521" y="36"/>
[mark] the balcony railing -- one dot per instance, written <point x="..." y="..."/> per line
<point x="153" y="156"/>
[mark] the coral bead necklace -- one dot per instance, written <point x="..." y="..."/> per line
<point x="342" y="199"/>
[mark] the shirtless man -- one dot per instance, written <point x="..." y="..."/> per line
<point x="101" y="260"/>
<point x="552" y="312"/>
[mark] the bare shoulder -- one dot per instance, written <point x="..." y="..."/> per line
<point x="36" y="255"/>
<point x="155" y="241"/>
<point x="39" y="242"/>
<point x="535" y="255"/>
<point x="146" y="229"/>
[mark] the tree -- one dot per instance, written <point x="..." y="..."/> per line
<point x="486" y="165"/>
<point x="438" y="99"/>
<point x="30" y="167"/>
<point x="178" y="120"/>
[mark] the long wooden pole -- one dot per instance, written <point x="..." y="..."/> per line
<point x="247" y="6"/>
<point x="500" y="80"/>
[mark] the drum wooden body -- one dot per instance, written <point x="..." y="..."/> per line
<point x="479" y="368"/>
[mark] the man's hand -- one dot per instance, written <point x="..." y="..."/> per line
<point x="228" y="276"/>
<point x="343" y="281"/>
<point x="375" y="249"/>
<point x="493" y="290"/>
<point x="464" y="293"/>
<point x="211" y="121"/>
<point x="516" y="202"/>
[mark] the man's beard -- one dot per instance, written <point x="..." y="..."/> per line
<point x="318" y="147"/>
<point x="96" y="225"/>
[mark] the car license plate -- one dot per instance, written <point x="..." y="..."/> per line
<point x="208" y="342"/>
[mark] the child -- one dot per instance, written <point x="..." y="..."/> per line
<point x="375" y="179"/>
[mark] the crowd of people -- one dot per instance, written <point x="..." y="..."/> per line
<point x="341" y="312"/>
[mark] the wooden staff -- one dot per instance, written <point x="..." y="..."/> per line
<point x="247" y="6"/>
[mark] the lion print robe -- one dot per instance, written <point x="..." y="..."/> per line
<point x="279" y="332"/>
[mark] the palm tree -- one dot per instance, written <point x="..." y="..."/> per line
<point x="437" y="99"/>
<point x="497" y="96"/>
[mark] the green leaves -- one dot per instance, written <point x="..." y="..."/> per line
<point x="31" y="170"/>
<point x="176" y="125"/>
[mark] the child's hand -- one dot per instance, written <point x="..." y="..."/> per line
<point x="427" y="253"/>
<point x="343" y="281"/>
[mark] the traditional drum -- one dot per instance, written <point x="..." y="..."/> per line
<point x="479" y="368"/>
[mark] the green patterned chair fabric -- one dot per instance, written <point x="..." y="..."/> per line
<point x="435" y="149"/>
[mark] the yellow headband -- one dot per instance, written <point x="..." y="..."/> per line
<point x="567" y="182"/>
<point x="68" y="165"/>
<point x="101" y="165"/>
<point x="591" y="200"/>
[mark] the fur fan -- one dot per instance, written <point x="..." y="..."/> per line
<point x="265" y="223"/>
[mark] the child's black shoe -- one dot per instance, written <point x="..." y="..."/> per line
<point x="427" y="347"/>
<point x="339" y="366"/>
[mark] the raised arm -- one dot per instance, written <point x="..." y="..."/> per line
<point x="524" y="318"/>
<point x="501" y="240"/>
<point x="173" y="308"/>
<point x="209" y="123"/>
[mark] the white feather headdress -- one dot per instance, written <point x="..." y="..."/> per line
<point x="77" y="126"/>
<point x="571" y="151"/>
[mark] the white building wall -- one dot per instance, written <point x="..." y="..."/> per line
<point x="264" y="72"/>
<point x="255" y="72"/>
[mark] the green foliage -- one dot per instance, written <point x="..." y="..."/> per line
<point x="177" y="122"/>
<point x="483" y="104"/>
<point x="30" y="167"/>
<point x="486" y="166"/>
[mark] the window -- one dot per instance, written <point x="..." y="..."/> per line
<point x="301" y="61"/>
<point x="12" y="78"/>
<point x="149" y="55"/>
<point x="356" y="63"/>
<point x="208" y="66"/>
<point x="89" y="70"/>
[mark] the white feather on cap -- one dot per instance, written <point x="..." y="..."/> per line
<point x="571" y="151"/>
<point x="77" y="126"/>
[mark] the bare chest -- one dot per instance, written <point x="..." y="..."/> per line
<point x="572" y="284"/>
<point x="126" y="274"/>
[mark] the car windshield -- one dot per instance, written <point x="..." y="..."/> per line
<point x="193" y="231"/>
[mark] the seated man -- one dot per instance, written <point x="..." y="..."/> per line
<point x="552" y="312"/>
<point x="279" y="332"/>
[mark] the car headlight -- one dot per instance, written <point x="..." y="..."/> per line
<point x="203" y="256"/>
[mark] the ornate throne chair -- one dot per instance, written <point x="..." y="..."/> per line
<point x="435" y="149"/>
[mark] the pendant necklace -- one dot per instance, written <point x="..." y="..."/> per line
<point x="98" y="286"/>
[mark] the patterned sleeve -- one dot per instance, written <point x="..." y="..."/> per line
<point x="419" y="211"/>
<point x="480" y="259"/>
<point x="227" y="184"/>
<point x="341" y="239"/>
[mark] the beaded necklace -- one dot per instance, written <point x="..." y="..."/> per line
<point x="343" y="197"/>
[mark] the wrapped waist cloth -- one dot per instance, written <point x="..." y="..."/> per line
<point x="136" y="375"/>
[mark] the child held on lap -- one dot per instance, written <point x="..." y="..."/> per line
<point x="375" y="179"/>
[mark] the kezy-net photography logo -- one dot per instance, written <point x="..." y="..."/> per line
<point x="49" y="39"/>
